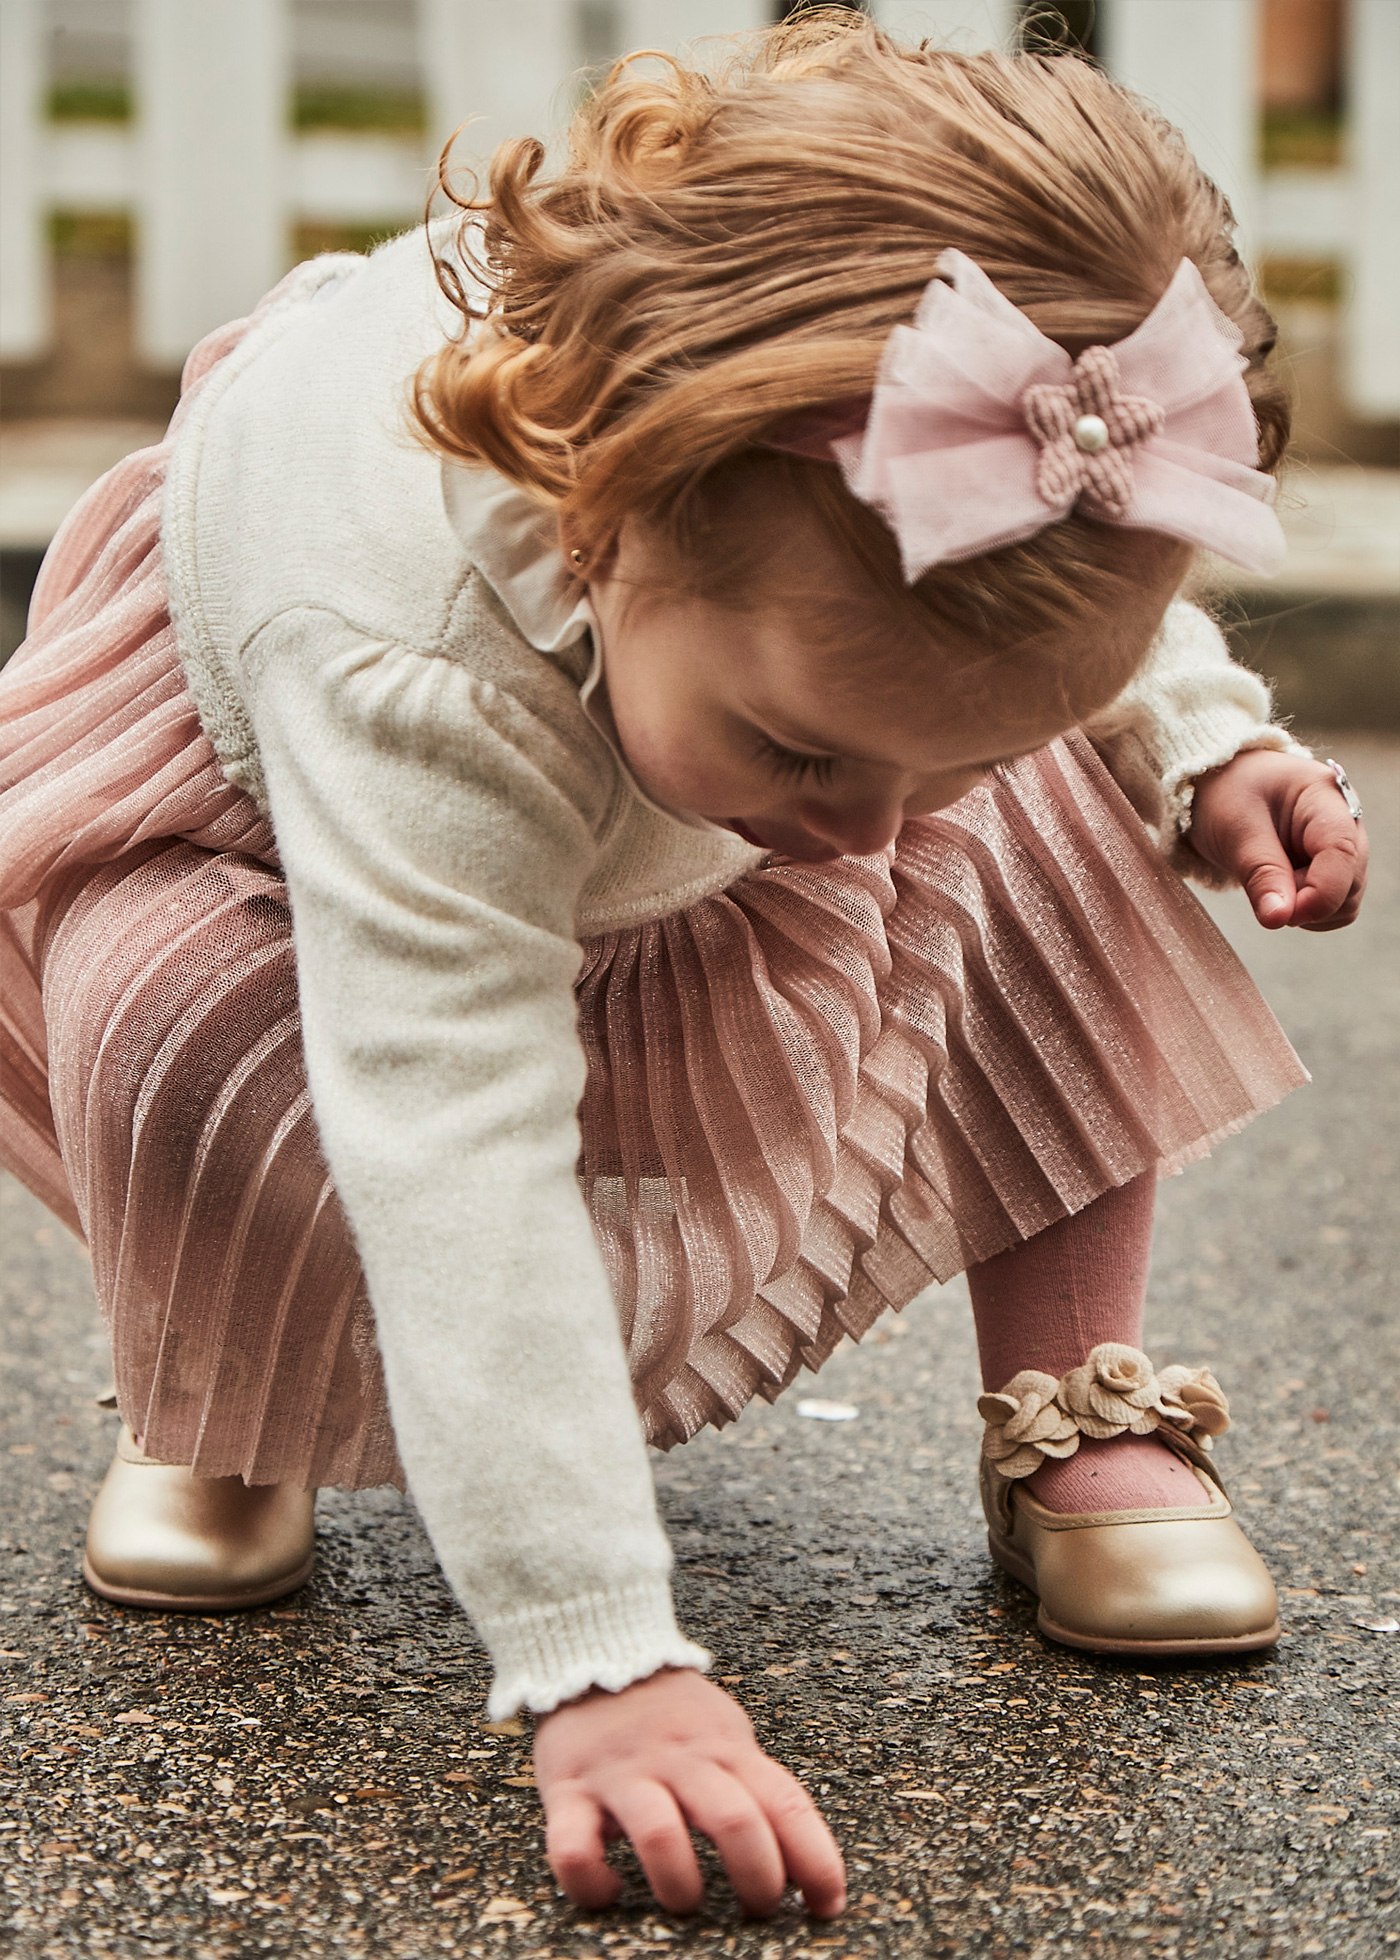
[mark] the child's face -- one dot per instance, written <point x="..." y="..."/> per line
<point x="703" y="694"/>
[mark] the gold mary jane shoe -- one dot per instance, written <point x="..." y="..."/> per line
<point x="1148" y="1582"/>
<point x="160" y="1537"/>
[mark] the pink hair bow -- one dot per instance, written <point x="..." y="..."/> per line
<point x="982" y="431"/>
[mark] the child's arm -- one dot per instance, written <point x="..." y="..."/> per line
<point x="435" y="832"/>
<point x="1235" y="799"/>
<point x="1189" y="709"/>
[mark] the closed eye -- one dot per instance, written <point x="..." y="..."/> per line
<point x="792" y="763"/>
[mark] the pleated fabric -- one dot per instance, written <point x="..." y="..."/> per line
<point x="807" y="1097"/>
<point x="816" y="1093"/>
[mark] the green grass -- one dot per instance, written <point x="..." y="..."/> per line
<point x="374" y="110"/>
<point x="360" y="109"/>
<point x="1301" y="279"/>
<point x="311" y="238"/>
<point x="90" y="102"/>
<point x="92" y="234"/>
<point x="112" y="235"/>
<point x="1309" y="139"/>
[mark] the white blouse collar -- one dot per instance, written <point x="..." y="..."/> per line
<point x="514" y="544"/>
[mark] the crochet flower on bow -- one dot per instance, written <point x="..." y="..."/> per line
<point x="1102" y="479"/>
<point x="1115" y="1390"/>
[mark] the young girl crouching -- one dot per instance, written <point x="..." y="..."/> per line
<point x="607" y="807"/>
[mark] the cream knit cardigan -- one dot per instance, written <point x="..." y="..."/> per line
<point x="387" y="655"/>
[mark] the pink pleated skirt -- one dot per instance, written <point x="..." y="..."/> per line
<point x="808" y="1096"/>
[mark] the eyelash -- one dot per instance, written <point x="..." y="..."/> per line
<point x="790" y="762"/>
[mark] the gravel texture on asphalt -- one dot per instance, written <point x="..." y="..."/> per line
<point x="316" y="1777"/>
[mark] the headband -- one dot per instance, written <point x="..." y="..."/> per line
<point x="981" y="431"/>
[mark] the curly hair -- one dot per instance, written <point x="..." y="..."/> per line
<point x="723" y="251"/>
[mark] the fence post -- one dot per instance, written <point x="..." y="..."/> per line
<point x="504" y="66"/>
<point x="26" y="309"/>
<point x="671" y="24"/>
<point x="1372" y="356"/>
<point x="1195" y="61"/>
<point x="964" y="26"/>
<point x="212" y="101"/>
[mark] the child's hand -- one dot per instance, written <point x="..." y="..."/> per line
<point x="1279" y="824"/>
<point x="663" y="1756"/>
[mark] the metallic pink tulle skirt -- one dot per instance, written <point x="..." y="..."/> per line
<point x="808" y="1096"/>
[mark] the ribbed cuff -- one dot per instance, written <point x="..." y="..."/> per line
<point x="544" y="1655"/>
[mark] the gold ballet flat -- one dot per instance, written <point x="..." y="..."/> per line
<point x="159" y="1536"/>
<point x="1149" y="1581"/>
<point x="1183" y="1580"/>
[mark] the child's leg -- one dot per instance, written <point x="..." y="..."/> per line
<point x="1044" y="1304"/>
<point x="242" y="1335"/>
<point x="28" y="1144"/>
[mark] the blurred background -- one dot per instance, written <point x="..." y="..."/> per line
<point x="163" y="162"/>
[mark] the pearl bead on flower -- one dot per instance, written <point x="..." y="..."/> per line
<point x="1090" y="434"/>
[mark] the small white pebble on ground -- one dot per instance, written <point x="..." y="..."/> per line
<point x="820" y="1411"/>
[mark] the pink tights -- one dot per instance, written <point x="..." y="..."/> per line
<point x="1044" y="1304"/>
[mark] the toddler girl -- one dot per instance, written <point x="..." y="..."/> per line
<point x="653" y="725"/>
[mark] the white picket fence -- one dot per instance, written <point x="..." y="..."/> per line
<point x="214" y="176"/>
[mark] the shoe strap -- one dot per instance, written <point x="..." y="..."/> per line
<point x="1192" y="1449"/>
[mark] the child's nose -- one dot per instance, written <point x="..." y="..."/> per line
<point x="856" y="830"/>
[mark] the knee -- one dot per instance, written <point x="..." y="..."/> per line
<point x="159" y="977"/>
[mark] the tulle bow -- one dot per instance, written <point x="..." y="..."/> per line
<point x="981" y="431"/>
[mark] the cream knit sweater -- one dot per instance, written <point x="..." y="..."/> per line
<point x="388" y="656"/>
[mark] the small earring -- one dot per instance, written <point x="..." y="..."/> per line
<point x="577" y="557"/>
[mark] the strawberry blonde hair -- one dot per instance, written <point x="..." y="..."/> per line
<point x="724" y="251"/>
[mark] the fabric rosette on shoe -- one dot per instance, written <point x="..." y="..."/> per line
<point x="1115" y="1391"/>
<point x="1194" y="1399"/>
<point x="1025" y="1424"/>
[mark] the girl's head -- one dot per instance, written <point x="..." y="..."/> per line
<point x="723" y="253"/>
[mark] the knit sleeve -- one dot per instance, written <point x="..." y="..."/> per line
<point x="435" y="832"/>
<point x="1187" y="710"/>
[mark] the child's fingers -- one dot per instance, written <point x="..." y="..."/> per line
<point x="1301" y="859"/>
<point x="1262" y="866"/>
<point x="717" y="1804"/>
<point x="1335" y="851"/>
<point x="1318" y="916"/>
<point x="651" y="1818"/>
<point x="810" y="1852"/>
<point x="1328" y="887"/>
<point x="574" y="1847"/>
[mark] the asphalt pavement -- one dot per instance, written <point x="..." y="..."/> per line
<point x="316" y="1777"/>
